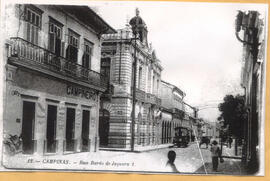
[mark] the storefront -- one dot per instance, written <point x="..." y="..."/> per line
<point x="52" y="116"/>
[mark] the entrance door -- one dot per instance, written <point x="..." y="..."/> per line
<point x="70" y="129"/>
<point x="28" y="122"/>
<point x="85" y="130"/>
<point x="104" y="127"/>
<point x="51" y="128"/>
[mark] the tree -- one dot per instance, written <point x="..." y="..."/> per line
<point x="233" y="113"/>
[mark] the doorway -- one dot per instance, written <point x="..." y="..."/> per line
<point x="51" y="128"/>
<point x="85" y="130"/>
<point x="70" y="129"/>
<point x="28" y="122"/>
<point x="104" y="127"/>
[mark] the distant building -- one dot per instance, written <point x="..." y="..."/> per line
<point x="53" y="85"/>
<point x="117" y="64"/>
<point x="173" y="111"/>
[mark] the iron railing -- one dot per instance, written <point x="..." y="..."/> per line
<point x="146" y="97"/>
<point x="32" y="54"/>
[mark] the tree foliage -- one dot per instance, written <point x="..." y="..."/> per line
<point x="233" y="114"/>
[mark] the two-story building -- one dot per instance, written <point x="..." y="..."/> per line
<point x="52" y="77"/>
<point x="173" y="111"/>
<point x="117" y="64"/>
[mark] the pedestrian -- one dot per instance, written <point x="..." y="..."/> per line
<point x="215" y="153"/>
<point x="230" y="142"/>
<point x="170" y="163"/>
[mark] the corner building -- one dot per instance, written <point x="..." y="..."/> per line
<point x="117" y="64"/>
<point x="53" y="84"/>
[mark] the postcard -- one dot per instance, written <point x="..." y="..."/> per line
<point x="144" y="87"/>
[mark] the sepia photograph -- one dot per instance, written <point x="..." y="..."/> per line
<point x="133" y="87"/>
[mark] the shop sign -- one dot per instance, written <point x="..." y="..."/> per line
<point x="81" y="92"/>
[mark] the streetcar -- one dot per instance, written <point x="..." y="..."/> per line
<point x="182" y="136"/>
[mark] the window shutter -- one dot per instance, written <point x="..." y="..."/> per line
<point x="32" y="36"/>
<point x="51" y="42"/>
<point x="51" y="28"/>
<point x="83" y="61"/>
<point x="36" y="36"/>
<point x="28" y="31"/>
<point x="74" y="54"/>
<point x="28" y="15"/>
<point x="87" y="60"/>
<point x="68" y="53"/>
<point x="62" y="48"/>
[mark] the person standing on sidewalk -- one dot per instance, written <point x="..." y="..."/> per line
<point x="230" y="142"/>
<point x="170" y="164"/>
<point x="215" y="153"/>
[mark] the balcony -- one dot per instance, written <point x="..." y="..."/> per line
<point x="180" y="114"/>
<point x="140" y="95"/>
<point x="107" y="95"/>
<point x="150" y="98"/>
<point x="146" y="97"/>
<point x="26" y="54"/>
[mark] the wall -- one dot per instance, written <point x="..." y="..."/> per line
<point x="17" y="28"/>
<point x="24" y="85"/>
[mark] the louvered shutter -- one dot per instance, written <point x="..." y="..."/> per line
<point x="62" y="48"/>
<point x="32" y="36"/>
<point x="87" y="60"/>
<point x="68" y="53"/>
<point x="36" y="35"/>
<point x="28" y="31"/>
<point x="83" y="61"/>
<point x="51" y="42"/>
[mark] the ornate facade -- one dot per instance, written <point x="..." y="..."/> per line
<point x="117" y="64"/>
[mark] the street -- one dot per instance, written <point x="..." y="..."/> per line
<point x="188" y="160"/>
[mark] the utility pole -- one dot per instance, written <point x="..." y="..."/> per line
<point x="137" y="25"/>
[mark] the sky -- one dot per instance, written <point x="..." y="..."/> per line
<point x="195" y="42"/>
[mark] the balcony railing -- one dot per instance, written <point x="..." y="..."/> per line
<point x="152" y="99"/>
<point x="33" y="55"/>
<point x="146" y="97"/>
<point x="140" y="95"/>
<point x="180" y="114"/>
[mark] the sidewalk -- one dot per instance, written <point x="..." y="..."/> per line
<point x="230" y="152"/>
<point x="140" y="149"/>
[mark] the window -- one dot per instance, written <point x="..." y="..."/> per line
<point x="87" y="55"/>
<point x="140" y="78"/>
<point x="105" y="67"/>
<point x="70" y="129"/>
<point x="28" y="127"/>
<point x="51" y="128"/>
<point x="149" y="79"/>
<point x="153" y="85"/>
<point x="33" y="23"/>
<point x="157" y="86"/>
<point x="73" y="45"/>
<point x="55" y="37"/>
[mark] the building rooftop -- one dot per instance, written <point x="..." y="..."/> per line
<point x="174" y="88"/>
<point x="89" y="17"/>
